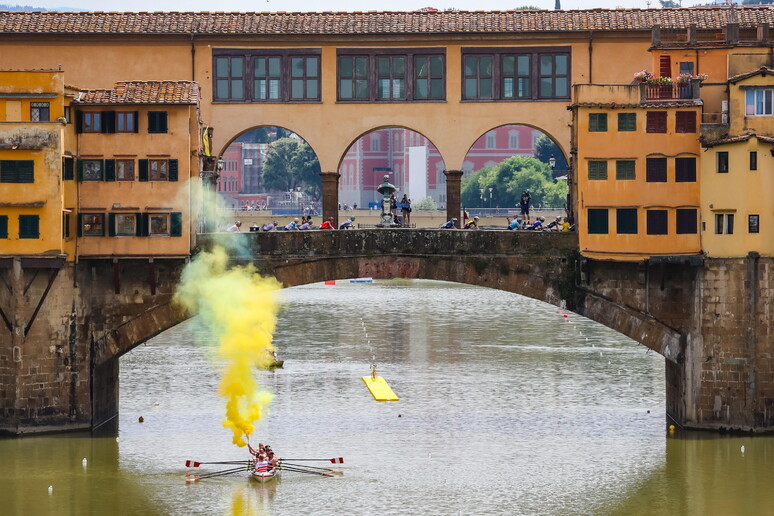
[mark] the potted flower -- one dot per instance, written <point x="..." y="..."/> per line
<point x="684" y="78"/>
<point x="643" y="76"/>
<point x="701" y="77"/>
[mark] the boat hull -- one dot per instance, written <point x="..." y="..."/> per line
<point x="264" y="476"/>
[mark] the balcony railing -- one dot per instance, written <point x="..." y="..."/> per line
<point x="670" y="92"/>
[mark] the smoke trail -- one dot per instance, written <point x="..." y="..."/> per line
<point x="240" y="308"/>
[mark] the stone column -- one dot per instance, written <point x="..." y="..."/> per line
<point x="453" y="190"/>
<point x="330" y="196"/>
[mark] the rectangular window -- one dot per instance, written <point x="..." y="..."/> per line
<point x="267" y="77"/>
<point x="126" y="122"/>
<point x="597" y="223"/>
<point x="759" y="102"/>
<point x="92" y="224"/>
<point x="627" y="122"/>
<point x="29" y="226"/>
<point x="17" y="171"/>
<point x="126" y="224"/>
<point x="624" y="169"/>
<point x="597" y="170"/>
<point x="657" y="221"/>
<point x="626" y="221"/>
<point x="516" y="73"/>
<point x="65" y="225"/>
<point x="753" y="223"/>
<point x="305" y="78"/>
<point x="93" y="170"/>
<point x="685" y="170"/>
<point x="124" y="170"/>
<point x="91" y="122"/>
<point x="686" y="67"/>
<point x="479" y="73"/>
<point x="687" y="221"/>
<point x="656" y="170"/>
<point x="597" y="122"/>
<point x="158" y="170"/>
<point x="229" y="78"/>
<point x="391" y="77"/>
<point x="724" y="223"/>
<point x="753" y="160"/>
<point x="429" y="77"/>
<point x="40" y="112"/>
<point x="68" y="168"/>
<point x="157" y="121"/>
<point x="158" y="224"/>
<point x="656" y="122"/>
<point x="722" y="162"/>
<point x="685" y="122"/>
<point x="516" y="76"/>
<point x="353" y="78"/>
<point x="3" y="226"/>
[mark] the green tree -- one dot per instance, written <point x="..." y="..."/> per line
<point x="669" y="4"/>
<point x="545" y="147"/>
<point x="509" y="179"/>
<point x="426" y="204"/>
<point x="291" y="163"/>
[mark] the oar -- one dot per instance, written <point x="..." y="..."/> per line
<point x="196" y="478"/>
<point x="297" y="470"/>
<point x="195" y="464"/>
<point x="335" y="460"/>
<point x="305" y="466"/>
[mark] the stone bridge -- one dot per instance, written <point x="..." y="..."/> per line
<point x="70" y="322"/>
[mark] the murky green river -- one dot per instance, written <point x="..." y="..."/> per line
<point x="506" y="407"/>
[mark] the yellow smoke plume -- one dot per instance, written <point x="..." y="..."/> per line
<point x="240" y="308"/>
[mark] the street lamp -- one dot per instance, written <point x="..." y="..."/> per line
<point x="490" y="198"/>
<point x="298" y="198"/>
<point x="482" y="198"/>
<point x="552" y="162"/>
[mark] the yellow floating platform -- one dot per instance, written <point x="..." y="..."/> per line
<point x="379" y="388"/>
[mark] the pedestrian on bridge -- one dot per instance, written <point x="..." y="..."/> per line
<point x="235" y="227"/>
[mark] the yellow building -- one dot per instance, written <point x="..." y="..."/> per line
<point x="636" y="170"/>
<point x="736" y="179"/>
<point x="138" y="150"/>
<point x="35" y="144"/>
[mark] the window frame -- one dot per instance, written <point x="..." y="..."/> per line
<point x="651" y="171"/>
<point x="41" y="108"/>
<point x="753" y="160"/>
<point x="249" y="57"/>
<point x="10" y="172"/>
<point x="91" y="121"/>
<point x="597" y="122"/>
<point x="117" y="224"/>
<point x="751" y="108"/>
<point x="594" y="221"/>
<point x="165" y="233"/>
<point x="4" y="227"/>
<point x="122" y="117"/>
<point x="724" y="223"/>
<point x="534" y="78"/>
<point x="626" y="227"/>
<point x="627" y="120"/>
<point x="685" y="122"/>
<point x="157" y="162"/>
<point x="119" y="163"/>
<point x="371" y="77"/>
<point x="753" y="223"/>
<point x="158" y="122"/>
<point x="656" y="122"/>
<point x="97" y="219"/>
<point x="653" y="224"/>
<point x="683" y="172"/>
<point x="84" y="165"/>
<point x="622" y="172"/>
<point x="682" y="216"/>
<point x="25" y="232"/>
<point x="721" y="162"/>
<point x="597" y="167"/>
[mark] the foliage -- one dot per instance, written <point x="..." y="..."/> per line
<point x="509" y="179"/>
<point x="545" y="147"/>
<point x="643" y="76"/>
<point x="291" y="163"/>
<point x="425" y="204"/>
<point x="528" y="8"/>
<point x="669" y="4"/>
<point x="757" y="2"/>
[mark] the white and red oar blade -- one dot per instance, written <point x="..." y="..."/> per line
<point x="192" y="464"/>
<point x="338" y="460"/>
<point x="191" y="479"/>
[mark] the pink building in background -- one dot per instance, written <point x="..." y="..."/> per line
<point x="230" y="180"/>
<point x="386" y="152"/>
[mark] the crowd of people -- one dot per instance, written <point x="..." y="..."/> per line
<point x="265" y="460"/>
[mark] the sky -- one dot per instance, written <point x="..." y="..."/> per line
<point x="330" y="5"/>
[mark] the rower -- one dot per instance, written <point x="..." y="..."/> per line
<point x="272" y="460"/>
<point x="261" y="464"/>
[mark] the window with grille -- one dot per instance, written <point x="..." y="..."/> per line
<point x="29" y="226"/>
<point x="627" y="122"/>
<point x="685" y="170"/>
<point x="687" y="221"/>
<point x="656" y="170"/>
<point x="657" y="222"/>
<point x="685" y="122"/>
<point x="597" y="221"/>
<point x="624" y="169"/>
<point x="17" y="171"/>
<point x="597" y="122"/>
<point x="40" y="112"/>
<point x="597" y="170"/>
<point x="626" y="221"/>
<point x="656" y="122"/>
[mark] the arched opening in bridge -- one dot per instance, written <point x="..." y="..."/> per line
<point x="411" y="162"/>
<point x="508" y="160"/>
<point x="270" y="170"/>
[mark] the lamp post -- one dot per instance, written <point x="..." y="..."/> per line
<point x="482" y="197"/>
<point x="552" y="162"/>
<point x="298" y="198"/>
<point x="490" y="198"/>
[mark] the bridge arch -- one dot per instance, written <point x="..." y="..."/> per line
<point x="514" y="127"/>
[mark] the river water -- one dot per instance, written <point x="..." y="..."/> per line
<point x="506" y="407"/>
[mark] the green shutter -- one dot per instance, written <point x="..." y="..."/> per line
<point x="78" y="121"/>
<point x="136" y="121"/>
<point x="138" y="224"/>
<point x="3" y="226"/>
<point x="80" y="224"/>
<point x="143" y="172"/>
<point x="176" y="224"/>
<point x="25" y="171"/>
<point x="108" y="122"/>
<point x="68" y="172"/>
<point x="597" y="170"/>
<point x="111" y="224"/>
<point x="29" y="226"/>
<point x="172" y="170"/>
<point x="110" y="169"/>
<point x="163" y="122"/>
<point x="80" y="170"/>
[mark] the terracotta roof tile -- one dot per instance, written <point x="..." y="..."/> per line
<point x="144" y="92"/>
<point x="321" y="23"/>
<point x="736" y="139"/>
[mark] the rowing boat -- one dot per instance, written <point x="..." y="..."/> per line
<point x="276" y="364"/>
<point x="265" y="476"/>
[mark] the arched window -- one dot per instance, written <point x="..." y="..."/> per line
<point x="513" y="139"/>
<point x="491" y="140"/>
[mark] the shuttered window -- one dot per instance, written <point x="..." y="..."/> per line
<point x="685" y="122"/>
<point x="656" y="170"/>
<point x="627" y="122"/>
<point x="597" y="170"/>
<point x="3" y="226"/>
<point x="685" y="170"/>
<point x="656" y="122"/>
<point x="597" y="223"/>
<point x="657" y="222"/>
<point x="157" y="121"/>
<point x="17" y="171"/>
<point x="687" y="222"/>
<point x="597" y="122"/>
<point x="624" y="169"/>
<point x="29" y="226"/>
<point x="626" y="221"/>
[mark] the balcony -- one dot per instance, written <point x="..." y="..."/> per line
<point x="674" y="91"/>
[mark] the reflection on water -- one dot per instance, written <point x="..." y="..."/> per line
<point x="506" y="408"/>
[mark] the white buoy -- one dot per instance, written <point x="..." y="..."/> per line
<point x="742" y="449"/>
<point x="84" y="462"/>
<point x="50" y="489"/>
